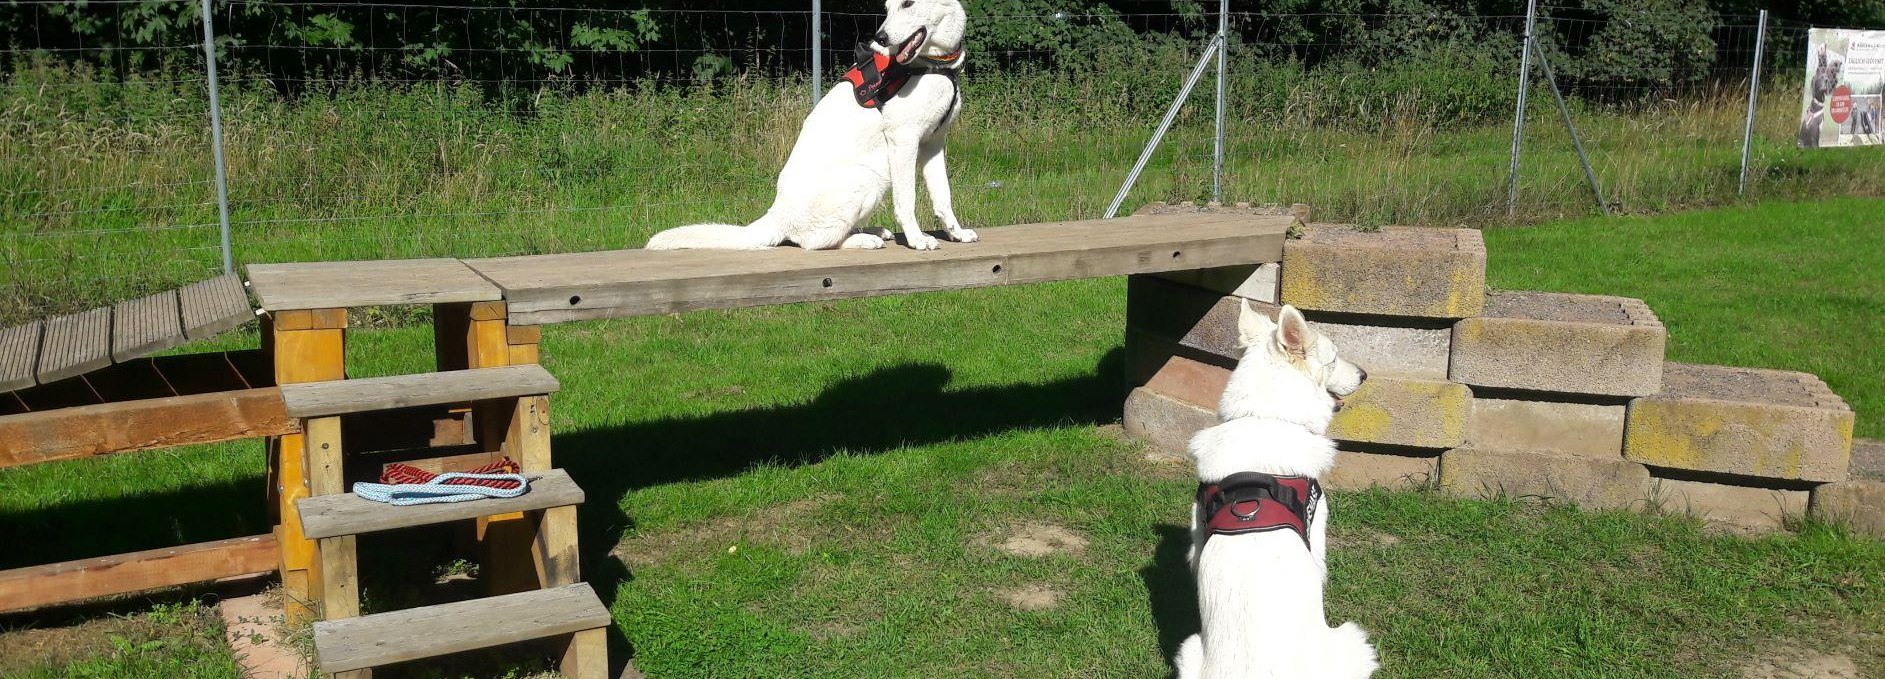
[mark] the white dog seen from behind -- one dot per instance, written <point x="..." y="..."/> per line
<point x="1259" y="527"/>
<point x="870" y="133"/>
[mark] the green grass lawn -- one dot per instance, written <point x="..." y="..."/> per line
<point x="832" y="489"/>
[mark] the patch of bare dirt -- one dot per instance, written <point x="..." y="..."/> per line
<point x="1793" y="662"/>
<point x="788" y="526"/>
<point x="1034" y="596"/>
<point x="1035" y="540"/>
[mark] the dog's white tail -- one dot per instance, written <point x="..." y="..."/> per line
<point x="1348" y="653"/>
<point x="759" y="235"/>
<point x="1189" y="661"/>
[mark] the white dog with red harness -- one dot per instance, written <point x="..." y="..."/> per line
<point x="1260" y="524"/>
<point x="870" y="133"/>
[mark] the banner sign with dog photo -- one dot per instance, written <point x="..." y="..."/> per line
<point x="1845" y="80"/>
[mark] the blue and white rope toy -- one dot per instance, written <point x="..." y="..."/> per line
<point x="438" y="492"/>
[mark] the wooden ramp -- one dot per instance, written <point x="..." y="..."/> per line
<point x="59" y="348"/>
<point x="555" y="288"/>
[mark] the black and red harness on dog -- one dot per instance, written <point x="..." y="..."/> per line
<point x="1252" y="502"/>
<point x="876" y="77"/>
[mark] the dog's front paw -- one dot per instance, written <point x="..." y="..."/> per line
<point x="863" y="241"/>
<point x="921" y="241"/>
<point x="963" y="235"/>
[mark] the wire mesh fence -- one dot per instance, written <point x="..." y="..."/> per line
<point x="369" y="129"/>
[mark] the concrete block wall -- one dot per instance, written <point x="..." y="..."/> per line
<point x="1549" y="395"/>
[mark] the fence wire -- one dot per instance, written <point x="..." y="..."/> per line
<point x="372" y="130"/>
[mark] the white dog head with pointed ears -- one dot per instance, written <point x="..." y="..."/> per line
<point x="920" y="28"/>
<point x="1288" y="371"/>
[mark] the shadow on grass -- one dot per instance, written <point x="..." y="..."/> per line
<point x="1171" y="592"/>
<point x="907" y="405"/>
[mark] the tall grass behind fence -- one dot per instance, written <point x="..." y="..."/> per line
<point x="105" y="163"/>
<point x="373" y="130"/>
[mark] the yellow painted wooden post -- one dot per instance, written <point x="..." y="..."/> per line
<point x="306" y="346"/>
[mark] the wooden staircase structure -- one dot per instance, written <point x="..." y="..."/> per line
<point x="488" y="398"/>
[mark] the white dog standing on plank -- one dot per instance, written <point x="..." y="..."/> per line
<point x="869" y="133"/>
<point x="1259" y="529"/>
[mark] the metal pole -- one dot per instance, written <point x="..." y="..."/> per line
<point x="818" y="49"/>
<point x="1518" y="118"/>
<point x="1217" y="148"/>
<point x="216" y="137"/>
<point x="1576" y="142"/>
<point x="1754" y="97"/>
<point x="1171" y="114"/>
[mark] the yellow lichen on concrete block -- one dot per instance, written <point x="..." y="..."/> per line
<point x="1396" y="271"/>
<point x="1417" y="413"/>
<point x="1758" y="423"/>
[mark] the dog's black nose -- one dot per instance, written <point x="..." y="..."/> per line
<point x="1364" y="375"/>
<point x="882" y="38"/>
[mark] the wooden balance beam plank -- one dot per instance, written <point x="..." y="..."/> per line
<point x="144" y="326"/>
<point x="75" y="344"/>
<point x="66" y="433"/>
<point x="339" y="285"/>
<point x="556" y="288"/>
<point x="213" y="306"/>
<point x="40" y="586"/>
<point x="19" y="356"/>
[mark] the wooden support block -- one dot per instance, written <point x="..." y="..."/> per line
<point x="75" y="344"/>
<point x="512" y="559"/>
<point x="144" y="326"/>
<point x="554" y="550"/>
<point x="587" y="655"/>
<point x="32" y="438"/>
<point x="71" y="581"/>
<point x="340" y="578"/>
<point x="524" y="340"/>
<point x="19" y="355"/>
<point x="313" y="353"/>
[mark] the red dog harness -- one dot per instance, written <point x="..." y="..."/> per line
<point x="1251" y="502"/>
<point x="876" y="77"/>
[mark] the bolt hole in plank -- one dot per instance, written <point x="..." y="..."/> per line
<point x="827" y="282"/>
<point x="575" y="300"/>
<point x="997" y="269"/>
<point x="1175" y="254"/>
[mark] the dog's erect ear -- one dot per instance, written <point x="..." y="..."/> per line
<point x="1252" y="326"/>
<point x="1292" y="331"/>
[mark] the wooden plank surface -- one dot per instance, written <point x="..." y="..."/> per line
<point x="19" y="356"/>
<point x="431" y="631"/>
<point x="144" y="326"/>
<point x="75" y="344"/>
<point x="213" y="306"/>
<point x="327" y="516"/>
<point x="316" y="399"/>
<point x="40" y="586"/>
<point x="66" y="433"/>
<point x="322" y="285"/>
<point x="556" y="288"/>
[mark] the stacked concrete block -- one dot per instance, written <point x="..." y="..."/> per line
<point x="1556" y="342"/>
<point x="1544" y="395"/>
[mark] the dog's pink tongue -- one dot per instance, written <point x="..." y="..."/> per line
<point x="912" y="46"/>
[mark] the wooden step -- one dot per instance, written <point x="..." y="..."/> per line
<point x="340" y="397"/>
<point x="327" y="516"/>
<point x="432" y="631"/>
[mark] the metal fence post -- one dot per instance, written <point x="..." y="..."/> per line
<point x="1217" y="148"/>
<point x="1165" y="125"/>
<point x="1577" y="142"/>
<point x="818" y="48"/>
<point x="1754" y="98"/>
<point x="1518" y="118"/>
<point x="216" y="136"/>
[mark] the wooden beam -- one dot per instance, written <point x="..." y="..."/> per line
<point x="144" y="326"/>
<point x="72" y="581"/>
<point x="19" y="355"/>
<point x="556" y="288"/>
<point x="326" y="516"/>
<point x="424" y="389"/>
<point x="32" y="438"/>
<point x="432" y="631"/>
<point x="314" y="354"/>
<point x="75" y="344"/>
<point x="210" y="307"/>
<point x="321" y="285"/>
